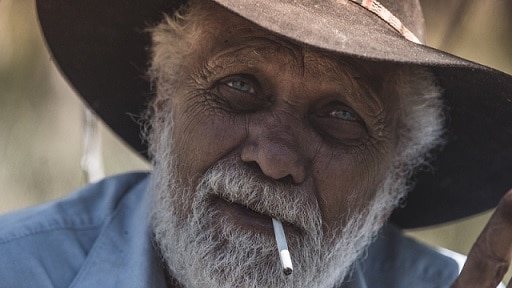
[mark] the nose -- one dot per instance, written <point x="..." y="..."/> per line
<point x="277" y="153"/>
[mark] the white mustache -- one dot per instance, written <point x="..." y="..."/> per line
<point x="232" y="181"/>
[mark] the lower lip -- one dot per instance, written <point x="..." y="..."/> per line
<point x="244" y="216"/>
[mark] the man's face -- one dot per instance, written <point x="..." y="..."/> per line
<point x="265" y="128"/>
<point x="293" y="115"/>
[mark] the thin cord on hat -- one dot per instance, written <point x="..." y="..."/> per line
<point x="378" y="9"/>
<point x="92" y="159"/>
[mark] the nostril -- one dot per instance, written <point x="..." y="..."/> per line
<point x="287" y="180"/>
<point x="253" y="165"/>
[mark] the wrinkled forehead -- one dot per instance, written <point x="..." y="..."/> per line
<point x="230" y="40"/>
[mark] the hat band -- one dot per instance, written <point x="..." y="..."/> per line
<point x="378" y="9"/>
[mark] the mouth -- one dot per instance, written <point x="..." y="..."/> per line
<point x="244" y="216"/>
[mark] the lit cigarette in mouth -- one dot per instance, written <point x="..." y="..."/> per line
<point x="282" y="247"/>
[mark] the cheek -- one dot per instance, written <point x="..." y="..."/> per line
<point x="202" y="138"/>
<point x="346" y="183"/>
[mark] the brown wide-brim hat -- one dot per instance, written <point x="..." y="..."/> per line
<point x="102" y="47"/>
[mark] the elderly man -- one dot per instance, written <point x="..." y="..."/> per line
<point x="313" y="114"/>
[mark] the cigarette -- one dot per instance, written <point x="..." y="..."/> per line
<point x="282" y="247"/>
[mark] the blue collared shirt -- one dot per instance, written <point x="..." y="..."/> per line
<point x="100" y="236"/>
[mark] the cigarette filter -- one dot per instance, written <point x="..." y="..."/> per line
<point x="282" y="247"/>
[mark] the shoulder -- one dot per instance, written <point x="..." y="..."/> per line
<point x="52" y="240"/>
<point x="395" y="260"/>
<point x="81" y="210"/>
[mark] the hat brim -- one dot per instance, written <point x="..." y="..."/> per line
<point x="102" y="49"/>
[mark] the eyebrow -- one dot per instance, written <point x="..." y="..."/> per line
<point x="247" y="56"/>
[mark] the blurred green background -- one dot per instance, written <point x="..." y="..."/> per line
<point x="41" y="118"/>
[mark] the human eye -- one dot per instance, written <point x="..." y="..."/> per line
<point x="344" y="113"/>
<point x="339" y="123"/>
<point x="240" y="94"/>
<point x="338" y="111"/>
<point x="241" y="85"/>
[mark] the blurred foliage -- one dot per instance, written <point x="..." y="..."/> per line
<point x="41" y="118"/>
<point x="479" y="30"/>
<point x="26" y="106"/>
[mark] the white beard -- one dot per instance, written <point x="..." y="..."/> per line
<point x="205" y="250"/>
